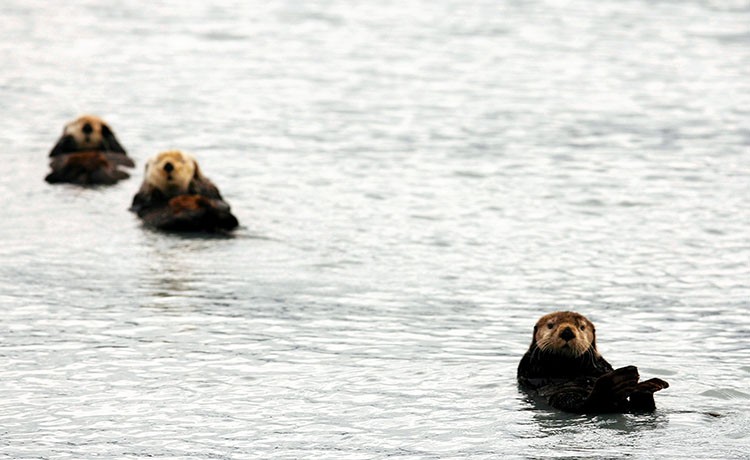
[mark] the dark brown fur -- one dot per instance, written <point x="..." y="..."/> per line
<point x="190" y="213"/>
<point x="181" y="198"/>
<point x="580" y="379"/>
<point x="88" y="153"/>
<point x="88" y="168"/>
<point x="97" y="136"/>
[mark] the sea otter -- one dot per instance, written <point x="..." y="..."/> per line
<point x="176" y="196"/>
<point x="563" y="366"/>
<point x="88" y="153"/>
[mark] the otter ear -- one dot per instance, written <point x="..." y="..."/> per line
<point x="533" y="336"/>
<point x="110" y="141"/>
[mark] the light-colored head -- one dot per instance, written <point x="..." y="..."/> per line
<point x="88" y="131"/>
<point x="171" y="172"/>
<point x="566" y="333"/>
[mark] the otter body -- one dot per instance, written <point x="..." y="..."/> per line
<point x="564" y="367"/>
<point x="176" y="196"/>
<point x="88" y="168"/>
<point x="88" y="153"/>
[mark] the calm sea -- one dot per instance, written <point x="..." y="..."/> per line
<point x="417" y="182"/>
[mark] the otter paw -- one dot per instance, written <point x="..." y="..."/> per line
<point x="642" y="398"/>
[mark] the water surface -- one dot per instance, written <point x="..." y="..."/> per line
<point x="417" y="182"/>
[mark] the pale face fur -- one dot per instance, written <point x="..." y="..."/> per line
<point x="566" y="333"/>
<point x="87" y="131"/>
<point x="171" y="172"/>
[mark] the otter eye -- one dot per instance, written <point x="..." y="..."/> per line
<point x="583" y="327"/>
<point x="550" y="325"/>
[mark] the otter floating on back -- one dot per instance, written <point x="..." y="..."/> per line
<point x="88" y="153"/>
<point x="176" y="196"/>
<point x="563" y="366"/>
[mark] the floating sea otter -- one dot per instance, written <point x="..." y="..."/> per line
<point x="176" y="196"/>
<point x="88" y="153"/>
<point x="564" y="366"/>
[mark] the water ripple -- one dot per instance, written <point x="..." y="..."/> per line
<point x="417" y="182"/>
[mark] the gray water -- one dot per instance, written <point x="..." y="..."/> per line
<point x="417" y="182"/>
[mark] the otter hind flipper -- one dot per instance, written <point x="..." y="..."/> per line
<point x="107" y="176"/>
<point x="119" y="159"/>
<point x="642" y="398"/>
<point x="611" y="390"/>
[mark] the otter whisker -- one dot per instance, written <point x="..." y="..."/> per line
<point x="563" y="365"/>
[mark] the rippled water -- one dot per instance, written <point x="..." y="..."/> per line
<point x="417" y="182"/>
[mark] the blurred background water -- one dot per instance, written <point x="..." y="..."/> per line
<point x="417" y="181"/>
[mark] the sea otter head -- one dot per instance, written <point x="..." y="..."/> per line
<point x="89" y="132"/>
<point x="171" y="172"/>
<point x="565" y="333"/>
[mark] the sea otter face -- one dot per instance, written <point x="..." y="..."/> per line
<point x="566" y="333"/>
<point x="171" y="172"/>
<point x="87" y="131"/>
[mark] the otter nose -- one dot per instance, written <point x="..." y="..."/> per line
<point x="567" y="334"/>
<point x="87" y="129"/>
<point x="168" y="167"/>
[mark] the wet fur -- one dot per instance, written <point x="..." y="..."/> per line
<point x="182" y="198"/>
<point x="190" y="213"/>
<point x="572" y="376"/>
<point x="75" y="138"/>
<point x="88" y="168"/>
<point x="88" y="153"/>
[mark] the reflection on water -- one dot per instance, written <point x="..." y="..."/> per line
<point x="417" y="183"/>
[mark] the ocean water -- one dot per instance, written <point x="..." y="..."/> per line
<point x="417" y="182"/>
